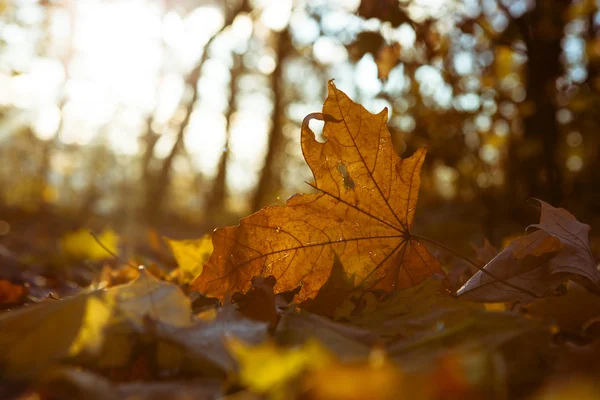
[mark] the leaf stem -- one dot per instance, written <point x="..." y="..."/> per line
<point x="109" y="251"/>
<point x="473" y="263"/>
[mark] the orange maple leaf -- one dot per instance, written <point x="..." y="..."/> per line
<point x="362" y="212"/>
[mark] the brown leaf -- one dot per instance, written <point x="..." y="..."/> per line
<point x="569" y="312"/>
<point x="537" y="263"/>
<point x="333" y="292"/>
<point x="523" y="264"/>
<point x="486" y="252"/>
<point x="72" y="383"/>
<point x="410" y="312"/>
<point x="363" y="212"/>
<point x="259" y="303"/>
<point x="576" y="257"/>
<point x="350" y="343"/>
<point x="11" y="294"/>
<point x="204" y="341"/>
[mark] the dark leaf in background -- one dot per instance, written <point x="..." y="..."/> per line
<point x="538" y="262"/>
<point x="365" y="42"/>
<point x="385" y="10"/>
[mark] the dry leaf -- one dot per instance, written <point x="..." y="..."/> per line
<point x="534" y="265"/>
<point x="191" y="256"/>
<point x="411" y="312"/>
<point x="150" y="297"/>
<point x="259" y="303"/>
<point x="523" y="264"/>
<point x="205" y="340"/>
<point x="268" y="368"/>
<point x="348" y="342"/>
<point x="11" y="294"/>
<point x="576" y="256"/>
<point x="362" y="212"/>
<point x="35" y="337"/>
<point x="376" y="379"/>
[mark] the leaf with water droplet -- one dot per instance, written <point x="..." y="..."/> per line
<point x="365" y="201"/>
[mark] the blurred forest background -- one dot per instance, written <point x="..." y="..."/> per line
<point x="184" y="115"/>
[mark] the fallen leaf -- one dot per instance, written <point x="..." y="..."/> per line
<point x="191" y="255"/>
<point x="415" y="311"/>
<point x="576" y="257"/>
<point x="486" y="252"/>
<point x="376" y="378"/>
<point x="205" y="340"/>
<point x="534" y="265"/>
<point x="362" y="212"/>
<point x="71" y="383"/>
<point x="149" y="297"/>
<point x="35" y="337"/>
<point x="569" y="312"/>
<point x="259" y="303"/>
<point x="481" y="332"/>
<point x="333" y="293"/>
<point x="268" y="368"/>
<point x="349" y="343"/>
<point x="136" y="305"/>
<point x="523" y="264"/>
<point x="11" y="294"/>
<point x="81" y="245"/>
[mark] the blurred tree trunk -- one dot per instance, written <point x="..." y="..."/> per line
<point x="216" y="197"/>
<point x="269" y="177"/>
<point x="157" y="187"/>
<point x="534" y="169"/>
<point x="150" y="139"/>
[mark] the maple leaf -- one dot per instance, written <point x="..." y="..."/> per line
<point x="534" y="265"/>
<point x="362" y="212"/>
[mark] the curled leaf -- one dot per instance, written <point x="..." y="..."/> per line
<point x="534" y="265"/>
<point x="362" y="213"/>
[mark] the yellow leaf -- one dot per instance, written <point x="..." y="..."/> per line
<point x="81" y="245"/>
<point x="191" y="255"/>
<point x="376" y="379"/>
<point x="267" y="368"/>
<point x="91" y="334"/>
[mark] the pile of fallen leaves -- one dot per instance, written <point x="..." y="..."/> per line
<point x="328" y="297"/>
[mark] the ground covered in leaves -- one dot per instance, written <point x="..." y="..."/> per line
<point x="330" y="296"/>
